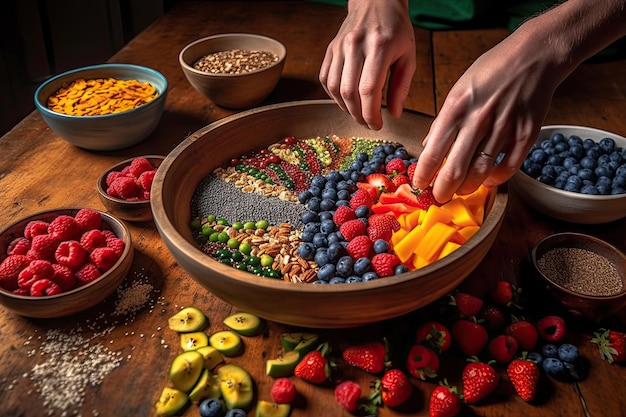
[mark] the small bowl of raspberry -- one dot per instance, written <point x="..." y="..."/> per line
<point x="59" y="262"/>
<point x="124" y="188"/>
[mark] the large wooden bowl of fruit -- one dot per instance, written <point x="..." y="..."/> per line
<point x="299" y="215"/>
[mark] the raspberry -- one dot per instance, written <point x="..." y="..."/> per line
<point x="70" y="253"/>
<point x="359" y="247"/>
<point x="117" y="245"/>
<point x="145" y="180"/>
<point x="18" y="246"/>
<point x="109" y="234"/>
<point x="35" y="228"/>
<point x="103" y="258"/>
<point x="93" y="239"/>
<point x="352" y="228"/>
<point x="382" y="226"/>
<point x="139" y="165"/>
<point x="125" y="187"/>
<point x="64" y="227"/>
<point x="361" y="198"/>
<point x="63" y="277"/>
<point x="89" y="272"/>
<point x="42" y="247"/>
<point x="10" y="268"/>
<point x="36" y="270"/>
<point x="384" y="263"/>
<point x="88" y="219"/>
<point x="43" y="287"/>
<point x="283" y="391"/>
<point x="347" y="394"/>
<point x="112" y="176"/>
<point x="343" y="214"/>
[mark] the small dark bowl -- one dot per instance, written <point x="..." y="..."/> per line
<point x="592" y="307"/>
<point x="134" y="211"/>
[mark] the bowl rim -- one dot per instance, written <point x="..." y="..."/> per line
<point x="498" y="199"/>
<point x="102" y="178"/>
<point x="190" y="68"/>
<point x="110" y="219"/>
<point x="527" y="179"/>
<point x="46" y="111"/>
<point x="579" y="236"/>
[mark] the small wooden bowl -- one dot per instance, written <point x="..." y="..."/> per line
<point x="307" y="305"/>
<point x="236" y="91"/>
<point x="134" y="211"/>
<point x="78" y="299"/>
<point x="591" y="307"/>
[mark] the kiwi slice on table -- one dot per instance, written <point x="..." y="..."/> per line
<point x="236" y="386"/>
<point x="212" y="357"/>
<point x="189" y="319"/>
<point x="193" y="340"/>
<point x="170" y="402"/>
<point x="271" y="409"/>
<point x="246" y="324"/>
<point x="282" y="366"/>
<point x="227" y="342"/>
<point x="206" y="387"/>
<point x="185" y="370"/>
<point x="300" y="342"/>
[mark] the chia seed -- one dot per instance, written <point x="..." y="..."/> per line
<point x="581" y="271"/>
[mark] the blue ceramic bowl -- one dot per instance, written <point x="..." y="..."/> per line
<point x="110" y="131"/>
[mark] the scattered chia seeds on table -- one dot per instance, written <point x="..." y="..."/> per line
<point x="581" y="271"/>
<point x="236" y="61"/>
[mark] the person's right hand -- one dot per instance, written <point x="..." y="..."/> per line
<point x="376" y="39"/>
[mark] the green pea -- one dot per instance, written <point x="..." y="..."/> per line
<point x="266" y="260"/>
<point x="237" y="225"/>
<point x="232" y="243"/>
<point x="210" y="218"/>
<point x="223" y="253"/>
<point x="253" y="260"/>
<point x="223" y="237"/>
<point x="222" y="221"/>
<point x="225" y="261"/>
<point x="213" y="237"/>
<point x="245" y="248"/>
<point x="207" y="230"/>
<point x="249" y="226"/>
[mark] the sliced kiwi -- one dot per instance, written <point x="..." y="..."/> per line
<point x="189" y="319"/>
<point x="282" y="366"/>
<point x="227" y="342"/>
<point x="206" y="387"/>
<point x="299" y="341"/>
<point x="193" y="340"/>
<point x="271" y="409"/>
<point x="236" y="386"/>
<point x="212" y="357"/>
<point x="171" y="402"/>
<point x="186" y="369"/>
<point x="246" y="324"/>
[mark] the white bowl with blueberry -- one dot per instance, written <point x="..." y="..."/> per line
<point x="575" y="174"/>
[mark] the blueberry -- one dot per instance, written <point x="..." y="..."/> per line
<point x="335" y="251"/>
<point x="357" y="165"/>
<point x="593" y="153"/>
<point x="553" y="367"/>
<point x="588" y="163"/>
<point x="381" y="246"/>
<point x="589" y="190"/>
<point x="306" y="250"/>
<point x="539" y="156"/>
<point x="550" y="350"/>
<point x="531" y="168"/>
<point x="309" y="216"/>
<point x="568" y="352"/>
<point x="356" y="175"/>
<point x="353" y="278"/>
<point x="315" y="190"/>
<point x="588" y="143"/>
<point x="370" y="275"/>
<point x="211" y="407"/>
<point x="561" y="147"/>
<point x="337" y="280"/>
<point x="389" y="148"/>
<point x="577" y="151"/>
<point x="319" y="240"/>
<point x="607" y="145"/>
<point x="312" y="227"/>
<point x="327" y="227"/>
<point x="362" y="156"/>
<point x="621" y="170"/>
<point x="555" y="160"/>
<point x="401" y="152"/>
<point x="332" y="239"/>
<point x="318" y="181"/>
<point x="326" y="272"/>
<point x="235" y="412"/>
<point x="586" y="174"/>
<point x="314" y="204"/>
<point x="321" y="257"/>
<point x="574" y="140"/>
<point x="334" y="177"/>
<point x="304" y="196"/>
<point x="535" y="357"/>
<point x="326" y="215"/>
<point x="307" y="236"/>
<point x="618" y="190"/>
<point x="343" y="195"/>
<point x="342" y="203"/>
<point x="319" y="281"/>
<point x="361" y="266"/>
<point x="557" y="137"/>
<point x="344" y="266"/>
<point x="389" y="158"/>
<point x="329" y="194"/>
<point x="569" y="162"/>
<point x="546" y="179"/>
<point x="327" y="204"/>
<point x="362" y="211"/>
<point x="400" y="269"/>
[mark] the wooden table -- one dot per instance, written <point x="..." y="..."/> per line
<point x="38" y="171"/>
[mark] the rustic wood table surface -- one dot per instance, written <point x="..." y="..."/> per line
<point x="121" y="350"/>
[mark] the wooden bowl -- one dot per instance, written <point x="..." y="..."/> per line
<point x="78" y="299"/>
<point x="134" y="211"/>
<point x="109" y="131"/>
<point x="309" y="305"/>
<point x="235" y="91"/>
<point x="570" y="206"/>
<point x="592" y="307"/>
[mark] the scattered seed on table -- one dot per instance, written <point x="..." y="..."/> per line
<point x="581" y="271"/>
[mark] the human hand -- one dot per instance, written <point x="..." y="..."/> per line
<point x="375" y="40"/>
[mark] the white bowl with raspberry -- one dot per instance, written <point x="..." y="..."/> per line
<point x="59" y="262"/>
<point x="124" y="188"/>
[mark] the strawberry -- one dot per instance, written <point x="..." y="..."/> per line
<point x="63" y="277"/>
<point x="71" y="254"/>
<point x="493" y="318"/>
<point x="503" y="348"/>
<point x="611" y="344"/>
<point x="34" y="228"/>
<point x="410" y="171"/>
<point x="422" y="362"/>
<point x="64" y="227"/>
<point x="468" y="305"/>
<point x="359" y="247"/>
<point x="314" y="366"/>
<point x="384" y="263"/>
<point x="361" y="197"/>
<point x="343" y="214"/>
<point x="395" y="166"/>
<point x="525" y="333"/>
<point x="283" y="391"/>
<point x="42" y="247"/>
<point x="43" y="287"/>
<point x="88" y="219"/>
<point x="400" y="179"/>
<point x="36" y="270"/>
<point x="382" y="226"/>
<point x="470" y="337"/>
<point x="502" y="294"/>
<point x="370" y="189"/>
<point x="87" y="273"/>
<point x="18" y="246"/>
<point x="352" y="228"/>
<point x="394" y="387"/>
<point x="139" y="165"/>
<point x="381" y="182"/>
<point x="103" y="258"/>
<point x="524" y="376"/>
<point x="347" y="394"/>
<point x="551" y="328"/>
<point x="10" y="269"/>
<point x="370" y="357"/>
<point x="434" y="335"/>
<point x="479" y="380"/>
<point x="426" y="198"/>
<point x="93" y="239"/>
<point x="444" y="402"/>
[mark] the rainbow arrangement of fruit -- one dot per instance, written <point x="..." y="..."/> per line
<point x="350" y="212"/>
